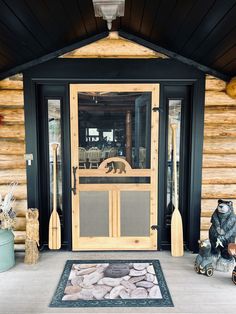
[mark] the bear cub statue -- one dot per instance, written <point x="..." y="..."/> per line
<point x="203" y="263"/>
<point x="221" y="233"/>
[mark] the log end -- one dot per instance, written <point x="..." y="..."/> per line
<point x="231" y="88"/>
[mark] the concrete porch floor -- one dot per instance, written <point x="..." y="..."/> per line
<point x="29" y="289"/>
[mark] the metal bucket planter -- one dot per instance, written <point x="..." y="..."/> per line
<point x="7" y="254"/>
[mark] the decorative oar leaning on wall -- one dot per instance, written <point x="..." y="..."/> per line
<point x="54" y="239"/>
<point x="176" y="219"/>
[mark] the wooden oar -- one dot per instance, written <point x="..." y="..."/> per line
<point x="54" y="239"/>
<point x="177" y="246"/>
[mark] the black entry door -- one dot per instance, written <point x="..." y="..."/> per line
<point x="176" y="109"/>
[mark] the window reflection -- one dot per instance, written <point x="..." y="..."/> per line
<point x="174" y="117"/>
<point x="54" y="135"/>
<point x="114" y="125"/>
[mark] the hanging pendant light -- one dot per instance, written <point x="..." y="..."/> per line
<point x="109" y="10"/>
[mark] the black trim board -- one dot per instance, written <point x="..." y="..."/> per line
<point x="162" y="71"/>
<point x="113" y="70"/>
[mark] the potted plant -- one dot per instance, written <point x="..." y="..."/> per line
<point x="7" y="223"/>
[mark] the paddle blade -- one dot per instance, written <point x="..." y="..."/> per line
<point x="54" y="237"/>
<point x="177" y="244"/>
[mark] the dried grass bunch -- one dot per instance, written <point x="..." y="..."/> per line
<point x="7" y="214"/>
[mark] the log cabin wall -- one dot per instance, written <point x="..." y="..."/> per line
<point x="219" y="150"/>
<point x="12" y="149"/>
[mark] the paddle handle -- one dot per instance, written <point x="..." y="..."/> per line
<point x="174" y="128"/>
<point x="54" y="148"/>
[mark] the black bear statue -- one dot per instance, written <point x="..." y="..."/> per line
<point x="203" y="263"/>
<point x="221" y="233"/>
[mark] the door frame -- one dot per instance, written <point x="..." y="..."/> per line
<point x="162" y="71"/>
<point x="115" y="241"/>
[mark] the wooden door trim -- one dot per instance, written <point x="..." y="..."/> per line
<point x="77" y="243"/>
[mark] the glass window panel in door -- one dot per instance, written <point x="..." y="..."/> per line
<point x="54" y="135"/>
<point x="114" y="124"/>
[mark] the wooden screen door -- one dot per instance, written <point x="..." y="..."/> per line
<point x="114" y="159"/>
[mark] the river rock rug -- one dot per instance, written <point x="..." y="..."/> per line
<point x="113" y="283"/>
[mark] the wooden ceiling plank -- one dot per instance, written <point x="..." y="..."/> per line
<point x="24" y="13"/>
<point x="8" y="52"/>
<point x="52" y="55"/>
<point x="226" y="58"/>
<point x="179" y="14"/>
<point x="174" y="55"/>
<point x="223" y="47"/>
<point x="41" y="13"/>
<point x="222" y="29"/>
<point x="62" y="19"/>
<point x="14" y="42"/>
<point x="165" y="10"/>
<point x="19" y="29"/>
<point x="149" y="14"/>
<point x="231" y="67"/>
<point x="191" y="22"/>
<point x="210" y="21"/>
<point x="87" y="11"/>
<point x="75" y="16"/>
<point x="136" y="15"/>
<point x="126" y="18"/>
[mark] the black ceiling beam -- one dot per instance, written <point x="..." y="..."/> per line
<point x="52" y="55"/>
<point x="173" y="55"/>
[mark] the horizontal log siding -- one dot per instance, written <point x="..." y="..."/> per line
<point x="219" y="151"/>
<point x="12" y="149"/>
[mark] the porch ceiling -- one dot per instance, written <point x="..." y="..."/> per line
<point x="203" y="31"/>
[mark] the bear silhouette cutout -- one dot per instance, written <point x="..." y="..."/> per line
<point x="115" y="165"/>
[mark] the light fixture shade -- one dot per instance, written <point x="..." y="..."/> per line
<point x="109" y="10"/>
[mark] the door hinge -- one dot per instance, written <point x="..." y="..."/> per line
<point x="154" y="227"/>
<point x="155" y="109"/>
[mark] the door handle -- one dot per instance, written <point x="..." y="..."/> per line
<point x="74" y="169"/>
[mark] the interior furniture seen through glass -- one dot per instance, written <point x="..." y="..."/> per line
<point x="114" y="124"/>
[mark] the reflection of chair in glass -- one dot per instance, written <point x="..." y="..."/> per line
<point x="142" y="157"/>
<point x="94" y="157"/>
<point x="82" y="158"/>
<point x="112" y="152"/>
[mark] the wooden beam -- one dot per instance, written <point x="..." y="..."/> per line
<point x="215" y="98"/>
<point x="12" y="116"/>
<point x="52" y="55"/>
<point x="222" y="116"/>
<point x="219" y="160"/>
<point x="211" y="130"/>
<point x="219" y="145"/>
<point x="12" y="131"/>
<point x="174" y="55"/>
<point x="221" y="190"/>
<point x="12" y="147"/>
<point x="12" y="162"/>
<point x="11" y="84"/>
<point x="10" y="175"/>
<point x="231" y="88"/>
<point x="214" y="84"/>
<point x="219" y="176"/>
<point x="11" y="98"/>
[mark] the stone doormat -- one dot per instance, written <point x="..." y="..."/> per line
<point x="112" y="283"/>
